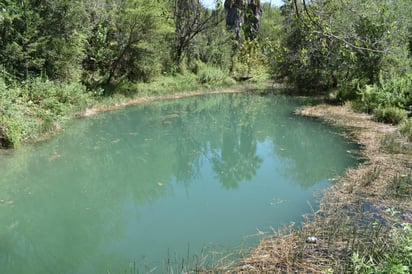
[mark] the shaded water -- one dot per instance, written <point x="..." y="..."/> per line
<point x="150" y="183"/>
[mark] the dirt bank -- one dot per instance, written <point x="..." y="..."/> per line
<point x="145" y="99"/>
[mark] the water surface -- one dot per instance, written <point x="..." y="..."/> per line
<point x="151" y="183"/>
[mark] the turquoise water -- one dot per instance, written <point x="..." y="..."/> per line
<point x="151" y="184"/>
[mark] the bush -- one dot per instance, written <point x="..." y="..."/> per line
<point x="406" y="129"/>
<point x="349" y="89"/>
<point x="391" y="115"/>
<point x="10" y="132"/>
<point x="210" y="75"/>
<point x="168" y="84"/>
<point x="395" y="92"/>
<point x="37" y="107"/>
<point x="56" y="95"/>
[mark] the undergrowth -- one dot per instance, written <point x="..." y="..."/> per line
<point x="31" y="109"/>
<point x="389" y="100"/>
<point x="36" y="107"/>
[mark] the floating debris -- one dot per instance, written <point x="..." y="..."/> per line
<point x="55" y="156"/>
<point x="276" y="201"/>
<point x="173" y="115"/>
<point x="312" y="240"/>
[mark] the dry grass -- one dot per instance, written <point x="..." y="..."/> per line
<point x="353" y="213"/>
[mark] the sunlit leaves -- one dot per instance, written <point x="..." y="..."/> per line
<point x="331" y="43"/>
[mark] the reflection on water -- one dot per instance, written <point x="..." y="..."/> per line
<point x="145" y="183"/>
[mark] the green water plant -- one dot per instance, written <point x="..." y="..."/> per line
<point x="396" y="256"/>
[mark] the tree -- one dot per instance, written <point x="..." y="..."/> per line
<point x="42" y="38"/>
<point x="344" y="44"/>
<point x="191" y="19"/>
<point x="126" y="41"/>
<point x="243" y="19"/>
<point x="243" y="16"/>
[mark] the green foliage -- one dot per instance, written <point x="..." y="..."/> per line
<point x="391" y="115"/>
<point x="406" y="129"/>
<point x="10" y="132"/>
<point x="396" y="258"/>
<point x="250" y="62"/>
<point x="210" y="75"/>
<point x="167" y="84"/>
<point x="349" y="90"/>
<point x="342" y="44"/>
<point x="389" y="100"/>
<point x="42" y="38"/>
<point x="306" y="58"/>
<point x="211" y="48"/>
<point x="126" y="42"/>
<point x="36" y="107"/>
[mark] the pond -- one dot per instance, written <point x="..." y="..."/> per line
<point x="150" y="184"/>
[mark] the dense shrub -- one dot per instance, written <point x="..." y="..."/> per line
<point x="165" y="84"/>
<point x="210" y="75"/>
<point x="10" y="132"/>
<point x="389" y="100"/>
<point x="37" y="106"/>
<point x="391" y="115"/>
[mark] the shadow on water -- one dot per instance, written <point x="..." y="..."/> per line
<point x="135" y="184"/>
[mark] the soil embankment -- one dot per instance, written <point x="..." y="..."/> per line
<point x="145" y="99"/>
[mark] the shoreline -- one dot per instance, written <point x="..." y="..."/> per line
<point x="176" y="95"/>
<point x="350" y="211"/>
<point x="103" y="106"/>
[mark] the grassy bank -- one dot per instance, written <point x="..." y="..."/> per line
<point x="364" y="221"/>
<point x="37" y="109"/>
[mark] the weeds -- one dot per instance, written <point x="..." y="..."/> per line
<point x="401" y="186"/>
<point x="210" y="75"/>
<point x="395" y="144"/>
<point x="206" y="261"/>
<point x="370" y="176"/>
<point x="406" y="129"/>
<point x="31" y="109"/>
<point x="390" y="115"/>
<point x="396" y="255"/>
<point x="390" y="99"/>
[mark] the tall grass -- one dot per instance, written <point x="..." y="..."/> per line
<point x="395" y="252"/>
<point x="168" y="84"/>
<point x="406" y="129"/>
